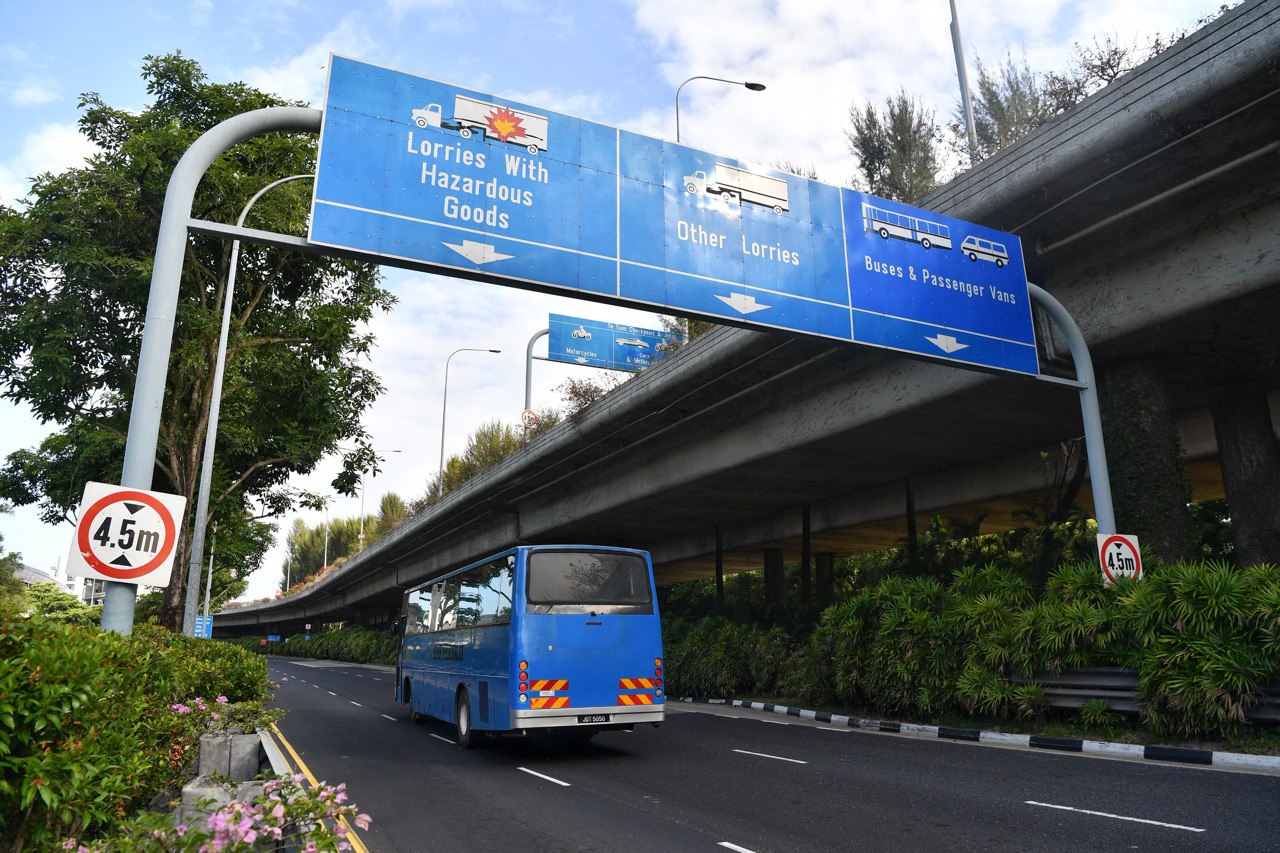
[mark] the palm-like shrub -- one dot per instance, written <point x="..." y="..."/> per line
<point x="1206" y="637"/>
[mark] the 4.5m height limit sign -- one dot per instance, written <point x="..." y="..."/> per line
<point x="126" y="535"/>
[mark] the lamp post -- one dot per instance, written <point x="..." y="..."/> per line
<point x="755" y="87"/>
<point x="360" y="541"/>
<point x="444" y="408"/>
<point x="211" y="434"/>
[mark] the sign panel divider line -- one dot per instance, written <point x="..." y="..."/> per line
<point x="485" y="234"/>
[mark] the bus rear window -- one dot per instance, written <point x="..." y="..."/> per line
<point x="589" y="578"/>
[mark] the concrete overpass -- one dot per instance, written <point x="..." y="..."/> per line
<point x="1152" y="211"/>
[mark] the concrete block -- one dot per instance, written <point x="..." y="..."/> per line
<point x="215" y="754"/>
<point x="245" y="757"/>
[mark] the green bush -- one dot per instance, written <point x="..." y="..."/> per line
<point x="1207" y="643"/>
<point x="89" y="726"/>
<point x="350" y="643"/>
<point x="1204" y="638"/>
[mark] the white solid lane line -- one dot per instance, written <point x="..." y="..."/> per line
<point x="354" y="702"/>
<point x="775" y="757"/>
<point x="385" y="717"/>
<point x="445" y="739"/>
<point x="735" y="847"/>
<point x="1117" y="816"/>
<point x="541" y="776"/>
<point x="331" y="693"/>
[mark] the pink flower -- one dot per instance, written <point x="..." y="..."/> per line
<point x="222" y="700"/>
<point x="362" y="821"/>
<point x="278" y="811"/>
<point x="69" y="844"/>
<point x="215" y="716"/>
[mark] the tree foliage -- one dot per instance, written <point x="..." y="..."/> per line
<point x="896" y="149"/>
<point x="307" y="549"/>
<point x="57" y="605"/>
<point x="76" y="263"/>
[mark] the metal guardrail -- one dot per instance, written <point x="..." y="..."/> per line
<point x="1119" y="686"/>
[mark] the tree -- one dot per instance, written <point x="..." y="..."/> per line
<point x="51" y="601"/>
<point x="492" y="442"/>
<point x="580" y="393"/>
<point x="11" y="588"/>
<point x="897" y="151"/>
<point x="76" y="264"/>
<point x="1011" y="102"/>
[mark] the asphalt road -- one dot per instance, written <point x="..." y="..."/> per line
<point x="730" y="779"/>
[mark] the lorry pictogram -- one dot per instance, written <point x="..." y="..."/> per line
<point x="504" y="124"/>
<point x="734" y="186"/>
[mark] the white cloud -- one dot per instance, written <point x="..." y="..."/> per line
<point x="30" y="92"/>
<point x="51" y="148"/>
<point x="304" y="76"/>
<point x="400" y="8"/>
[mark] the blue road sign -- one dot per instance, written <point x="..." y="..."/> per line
<point x="597" y="343"/>
<point x="273" y="638"/>
<point x="427" y="173"/>
<point x="204" y="627"/>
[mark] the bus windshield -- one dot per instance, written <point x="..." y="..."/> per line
<point x="588" y="578"/>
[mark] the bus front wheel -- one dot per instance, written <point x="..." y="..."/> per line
<point x="884" y="233"/>
<point x="466" y="736"/>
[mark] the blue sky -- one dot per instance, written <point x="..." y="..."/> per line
<point x="611" y="61"/>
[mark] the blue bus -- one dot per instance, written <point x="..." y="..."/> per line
<point x="563" y="638"/>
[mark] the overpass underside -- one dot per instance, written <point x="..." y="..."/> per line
<point x="1151" y="211"/>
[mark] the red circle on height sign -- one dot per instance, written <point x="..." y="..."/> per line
<point x="86" y="523"/>
<point x="1102" y="556"/>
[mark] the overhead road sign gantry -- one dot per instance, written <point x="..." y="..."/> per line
<point x="598" y="343"/>
<point x="417" y="170"/>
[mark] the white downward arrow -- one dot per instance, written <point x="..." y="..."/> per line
<point x="946" y="343"/>
<point x="742" y="303"/>
<point x="478" y="253"/>
<point x="580" y="360"/>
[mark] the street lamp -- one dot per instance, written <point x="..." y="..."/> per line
<point x="361" y="539"/>
<point x="755" y="87"/>
<point x="444" y="408"/>
<point x="211" y="434"/>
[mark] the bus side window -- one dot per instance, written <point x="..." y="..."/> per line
<point x="417" y="612"/>
<point x="495" y="583"/>
<point x="446" y="602"/>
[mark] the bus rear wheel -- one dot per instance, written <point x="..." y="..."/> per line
<point x="465" y="735"/>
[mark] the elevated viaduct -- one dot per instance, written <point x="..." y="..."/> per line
<point x="1151" y="211"/>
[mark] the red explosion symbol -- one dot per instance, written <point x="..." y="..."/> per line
<point x="505" y="124"/>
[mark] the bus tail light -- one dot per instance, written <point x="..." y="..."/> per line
<point x="524" y="685"/>
<point x="658" y="672"/>
<point x="524" y="664"/>
<point x="524" y="676"/>
<point x="657" y="661"/>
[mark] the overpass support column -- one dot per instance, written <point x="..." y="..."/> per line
<point x="806" y="550"/>
<point x="825" y="569"/>
<point x="775" y="583"/>
<point x="1148" y="485"/>
<point x="719" y="568"/>
<point x="1250" y="470"/>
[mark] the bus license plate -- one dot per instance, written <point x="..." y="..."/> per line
<point x="593" y="718"/>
